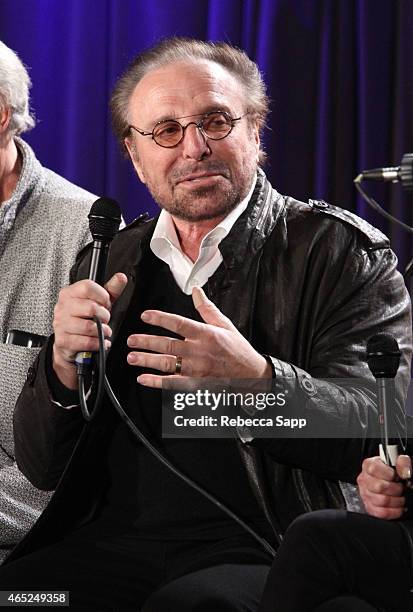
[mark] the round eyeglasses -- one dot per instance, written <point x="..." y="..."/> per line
<point x="168" y="133"/>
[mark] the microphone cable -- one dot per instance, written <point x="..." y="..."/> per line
<point x="81" y="371"/>
<point x="374" y="204"/>
<point x="103" y="384"/>
<point x="377" y="207"/>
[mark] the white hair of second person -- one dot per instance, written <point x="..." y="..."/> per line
<point x="15" y="84"/>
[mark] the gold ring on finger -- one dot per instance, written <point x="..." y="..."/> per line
<point x="178" y="364"/>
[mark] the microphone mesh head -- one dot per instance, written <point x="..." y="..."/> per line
<point x="104" y="219"/>
<point x="406" y="171"/>
<point x="383" y="355"/>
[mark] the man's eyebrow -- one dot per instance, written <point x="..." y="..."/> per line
<point x="208" y="109"/>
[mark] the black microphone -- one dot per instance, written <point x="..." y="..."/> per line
<point x="104" y="221"/>
<point x="402" y="173"/>
<point x="383" y="358"/>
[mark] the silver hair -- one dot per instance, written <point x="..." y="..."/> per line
<point x="177" y="49"/>
<point x="15" y="84"/>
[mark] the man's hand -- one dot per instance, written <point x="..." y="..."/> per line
<point x="214" y="348"/>
<point x="382" y="495"/>
<point x="73" y="323"/>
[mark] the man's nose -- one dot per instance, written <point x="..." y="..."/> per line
<point x="195" y="144"/>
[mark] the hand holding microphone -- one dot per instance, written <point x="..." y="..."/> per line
<point x="73" y="324"/>
<point x="75" y="330"/>
<point x="379" y="482"/>
<point x="381" y="489"/>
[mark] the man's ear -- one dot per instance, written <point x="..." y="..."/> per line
<point x="133" y="154"/>
<point x="5" y="116"/>
<point x="257" y="139"/>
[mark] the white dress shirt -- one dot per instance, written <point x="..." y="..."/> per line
<point x="188" y="274"/>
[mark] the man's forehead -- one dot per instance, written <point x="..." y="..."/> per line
<point x="184" y="87"/>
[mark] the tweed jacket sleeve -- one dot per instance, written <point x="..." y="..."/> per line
<point x="37" y="251"/>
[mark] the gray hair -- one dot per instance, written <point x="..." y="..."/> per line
<point x="15" y="84"/>
<point x="178" y="49"/>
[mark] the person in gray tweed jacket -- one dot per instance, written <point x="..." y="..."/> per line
<point x="43" y="224"/>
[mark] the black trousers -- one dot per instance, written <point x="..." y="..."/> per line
<point x="328" y="554"/>
<point x="120" y="573"/>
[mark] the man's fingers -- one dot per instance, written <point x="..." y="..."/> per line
<point x="187" y="328"/>
<point x="381" y="487"/>
<point x="69" y="344"/>
<point x="85" y="290"/>
<point x="163" y="363"/>
<point x="386" y="501"/>
<point x="389" y="514"/>
<point x="208" y="311"/>
<point x="89" y="290"/>
<point x="158" y="344"/>
<point x="85" y="327"/>
<point x="382" y="495"/>
<point x="155" y="381"/>
<point x="82" y="308"/>
<point x="375" y="467"/>
<point x="404" y="467"/>
<point x="116" y="285"/>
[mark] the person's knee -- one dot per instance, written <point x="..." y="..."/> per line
<point x="188" y="598"/>
<point x="223" y="588"/>
<point x="345" y="604"/>
<point x="315" y="524"/>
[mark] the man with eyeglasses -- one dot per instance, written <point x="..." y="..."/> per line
<point x="232" y="279"/>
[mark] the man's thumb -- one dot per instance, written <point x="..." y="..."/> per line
<point x="115" y="285"/>
<point x="404" y="467"/>
<point x="208" y="311"/>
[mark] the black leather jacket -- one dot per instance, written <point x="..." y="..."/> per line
<point x="307" y="284"/>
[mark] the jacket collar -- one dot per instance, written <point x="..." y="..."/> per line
<point x="249" y="232"/>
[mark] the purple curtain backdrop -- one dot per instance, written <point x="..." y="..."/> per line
<point x="339" y="72"/>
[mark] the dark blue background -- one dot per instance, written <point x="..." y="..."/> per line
<point x="339" y="72"/>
